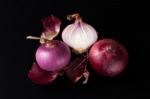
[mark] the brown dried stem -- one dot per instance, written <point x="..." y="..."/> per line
<point x="73" y="16"/>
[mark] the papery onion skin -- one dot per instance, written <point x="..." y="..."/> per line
<point x="79" y="36"/>
<point x="108" y="57"/>
<point x="51" y="26"/>
<point x="53" y="58"/>
<point x="76" y="68"/>
<point x="39" y="76"/>
<point x="51" y="23"/>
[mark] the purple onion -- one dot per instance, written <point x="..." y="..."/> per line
<point x="108" y="57"/>
<point x="53" y="56"/>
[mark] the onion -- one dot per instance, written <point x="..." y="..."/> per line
<point x="108" y="57"/>
<point x="79" y="35"/>
<point x="53" y="56"/>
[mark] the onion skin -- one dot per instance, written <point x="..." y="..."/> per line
<point x="77" y="69"/>
<point x="108" y="57"/>
<point x="51" y="23"/>
<point x="53" y="58"/>
<point x="39" y="76"/>
<point x="51" y="27"/>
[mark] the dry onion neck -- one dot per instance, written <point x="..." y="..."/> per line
<point x="75" y="16"/>
<point x="49" y="43"/>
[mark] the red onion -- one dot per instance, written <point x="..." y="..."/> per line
<point x="53" y="56"/>
<point x="108" y="57"/>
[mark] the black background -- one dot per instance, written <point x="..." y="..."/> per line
<point x="124" y="21"/>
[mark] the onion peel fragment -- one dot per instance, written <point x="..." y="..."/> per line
<point x="51" y="25"/>
<point x="39" y="76"/>
<point x="77" y="69"/>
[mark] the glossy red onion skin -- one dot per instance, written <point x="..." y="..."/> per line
<point x="39" y="76"/>
<point x="108" y="57"/>
<point x="53" y="58"/>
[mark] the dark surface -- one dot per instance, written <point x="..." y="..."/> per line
<point x="126" y="22"/>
